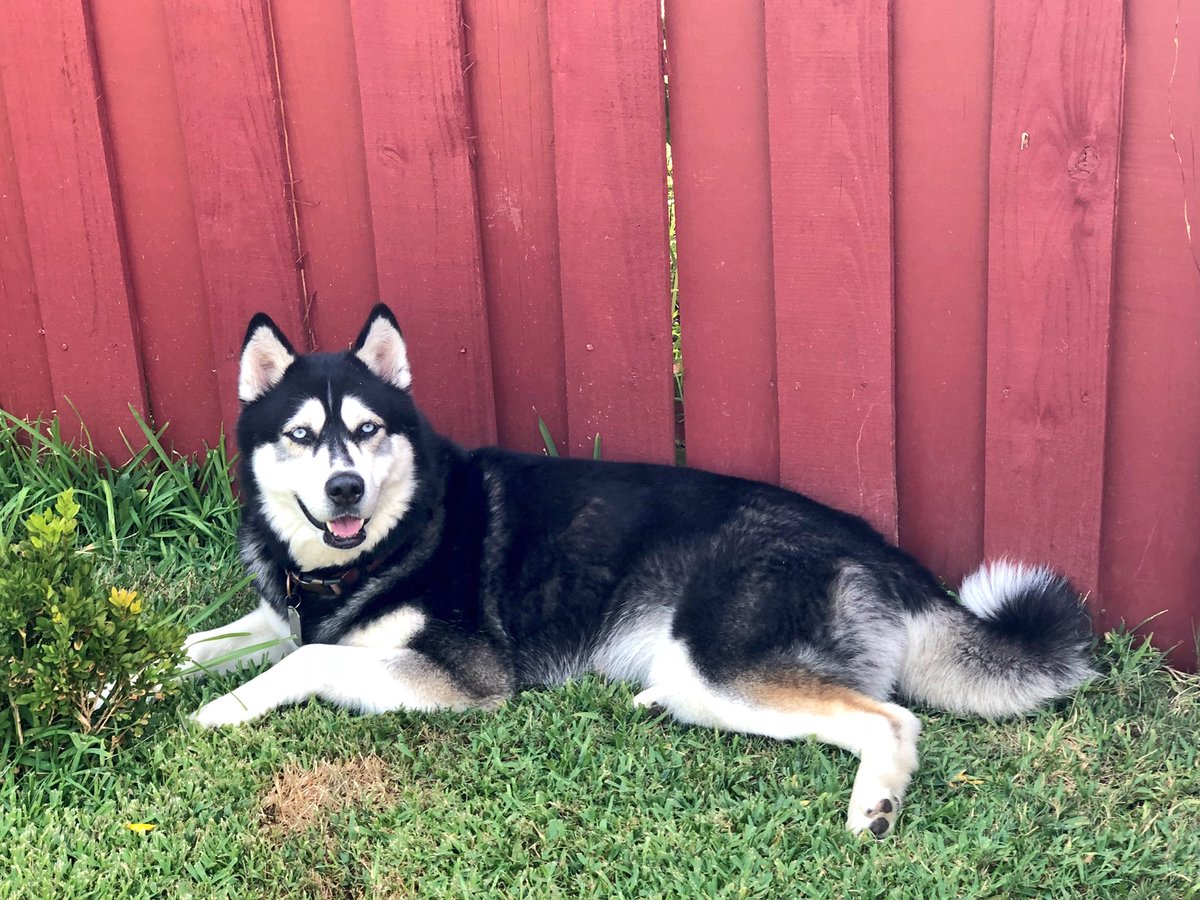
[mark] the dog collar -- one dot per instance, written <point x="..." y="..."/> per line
<point x="298" y="584"/>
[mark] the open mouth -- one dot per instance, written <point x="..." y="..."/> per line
<point x="341" y="533"/>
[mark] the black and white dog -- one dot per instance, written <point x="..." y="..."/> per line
<point x="410" y="573"/>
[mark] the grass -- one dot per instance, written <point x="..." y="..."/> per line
<point x="574" y="792"/>
<point x="175" y="512"/>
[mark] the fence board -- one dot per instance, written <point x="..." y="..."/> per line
<point x="70" y="216"/>
<point x="314" y="43"/>
<point x="722" y="180"/>
<point x="831" y="202"/>
<point x="423" y="208"/>
<point x="25" y="388"/>
<point x="159" y="222"/>
<point x="1055" y="126"/>
<point x="606" y="67"/>
<point x="225" y="82"/>
<point x="941" y="84"/>
<point x="509" y="77"/>
<point x="1150" y="558"/>
<point x="145" y="166"/>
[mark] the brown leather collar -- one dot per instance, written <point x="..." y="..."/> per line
<point x="297" y="584"/>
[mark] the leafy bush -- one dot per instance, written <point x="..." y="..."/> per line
<point x="75" y="657"/>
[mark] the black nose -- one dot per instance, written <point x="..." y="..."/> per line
<point x="344" y="488"/>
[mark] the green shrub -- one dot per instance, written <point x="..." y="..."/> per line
<point x="66" y="641"/>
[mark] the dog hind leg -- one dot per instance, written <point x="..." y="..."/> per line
<point x="882" y="735"/>
<point x="790" y="703"/>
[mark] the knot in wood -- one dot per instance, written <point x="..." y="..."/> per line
<point x="1084" y="164"/>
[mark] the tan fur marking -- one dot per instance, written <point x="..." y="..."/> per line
<point x="435" y="684"/>
<point x="802" y="693"/>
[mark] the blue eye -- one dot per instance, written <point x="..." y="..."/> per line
<point x="300" y="435"/>
<point x="366" y="429"/>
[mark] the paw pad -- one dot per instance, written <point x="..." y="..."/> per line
<point x="882" y="817"/>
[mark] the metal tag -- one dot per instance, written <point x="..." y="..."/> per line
<point x="294" y="624"/>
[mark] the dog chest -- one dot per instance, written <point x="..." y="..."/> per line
<point x="393" y="629"/>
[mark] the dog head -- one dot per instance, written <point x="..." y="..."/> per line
<point x="328" y="440"/>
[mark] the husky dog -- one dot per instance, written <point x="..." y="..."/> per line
<point x="399" y="571"/>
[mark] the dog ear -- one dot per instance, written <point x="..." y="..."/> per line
<point x="266" y="355"/>
<point x="381" y="346"/>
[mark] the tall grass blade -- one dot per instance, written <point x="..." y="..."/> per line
<point x="551" y="449"/>
<point x="196" y="619"/>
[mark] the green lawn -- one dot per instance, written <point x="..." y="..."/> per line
<point x="574" y="793"/>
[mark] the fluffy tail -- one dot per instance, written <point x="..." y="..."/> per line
<point x="1021" y="637"/>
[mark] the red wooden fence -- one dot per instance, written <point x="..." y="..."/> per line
<point x="908" y="284"/>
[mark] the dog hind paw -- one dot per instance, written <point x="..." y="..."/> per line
<point x="652" y="699"/>
<point x="878" y="820"/>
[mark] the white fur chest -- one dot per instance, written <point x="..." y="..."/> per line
<point x="391" y="630"/>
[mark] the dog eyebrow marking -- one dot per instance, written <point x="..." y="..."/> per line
<point x="355" y="413"/>
<point x="310" y="414"/>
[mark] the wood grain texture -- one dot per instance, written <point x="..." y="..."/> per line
<point x="722" y="180"/>
<point x="1056" y="104"/>
<point x="143" y="170"/>
<point x="25" y="387"/>
<point x="606" y="68"/>
<point x="58" y="144"/>
<point x="509" y="78"/>
<point x="423" y="208"/>
<point x="1150" y="557"/>
<point x="941" y="115"/>
<point x="314" y="43"/>
<point x="828" y="110"/>
<point x="233" y="136"/>
<point x="150" y="163"/>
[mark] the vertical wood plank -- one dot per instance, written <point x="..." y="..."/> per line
<point x="1055" y="123"/>
<point x="722" y="179"/>
<point x="315" y="46"/>
<point x="827" y="77"/>
<point x="610" y="146"/>
<point x="50" y="86"/>
<point x="1150" y="558"/>
<point x="226" y="85"/>
<point x="941" y="102"/>
<point x="423" y="206"/>
<point x="509" y="80"/>
<point x="150" y="163"/>
<point x="25" y="387"/>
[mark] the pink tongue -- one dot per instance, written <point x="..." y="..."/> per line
<point x="345" y="528"/>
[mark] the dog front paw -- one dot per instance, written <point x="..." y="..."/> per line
<point x="228" y="709"/>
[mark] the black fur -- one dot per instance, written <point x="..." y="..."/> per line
<point x="455" y="577"/>
<point x="530" y="561"/>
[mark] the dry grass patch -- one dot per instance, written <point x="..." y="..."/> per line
<point x="301" y="798"/>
